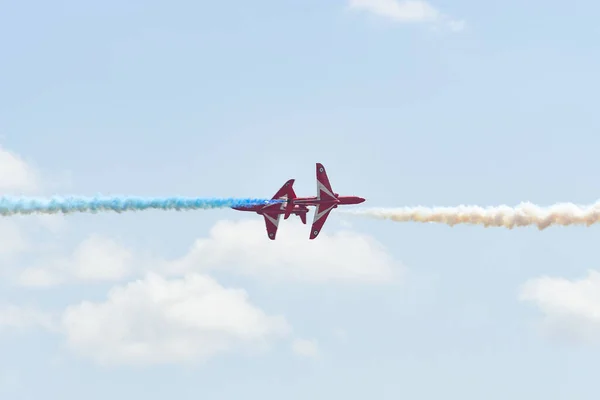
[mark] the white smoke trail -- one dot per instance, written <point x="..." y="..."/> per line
<point x="525" y="214"/>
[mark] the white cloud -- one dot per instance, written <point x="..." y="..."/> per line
<point x="240" y="247"/>
<point x="23" y="318"/>
<point x="16" y="175"/>
<point x="155" y="320"/>
<point x="457" y="25"/>
<point x="17" y="178"/>
<point x="403" y="11"/>
<point x="406" y="11"/>
<point x="96" y="259"/>
<point x="341" y="334"/>
<point x="571" y="308"/>
<point x="187" y="318"/>
<point x="243" y="247"/>
<point x="11" y="383"/>
<point x="53" y="223"/>
<point x="305" y="348"/>
<point x="12" y="239"/>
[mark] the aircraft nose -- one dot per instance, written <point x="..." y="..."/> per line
<point x="360" y="200"/>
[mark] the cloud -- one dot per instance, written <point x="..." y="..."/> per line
<point x="97" y="259"/>
<point x="238" y="247"/>
<point x="16" y="175"/>
<point x="155" y="320"/>
<point x="402" y="11"/>
<point x="341" y="334"/>
<point x="175" y="313"/>
<point x="406" y="11"/>
<point x="18" y="178"/>
<point x="243" y="247"/>
<point x="187" y="316"/>
<point x="11" y="383"/>
<point x="54" y="223"/>
<point x="570" y="308"/>
<point x="305" y="348"/>
<point x="12" y="240"/>
<point x="24" y="318"/>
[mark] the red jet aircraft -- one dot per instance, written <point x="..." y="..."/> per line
<point x="325" y="201"/>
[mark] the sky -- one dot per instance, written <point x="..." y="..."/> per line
<point x="405" y="103"/>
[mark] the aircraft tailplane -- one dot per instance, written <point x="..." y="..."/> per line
<point x="302" y="217"/>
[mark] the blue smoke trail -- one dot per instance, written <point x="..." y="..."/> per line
<point x="67" y="205"/>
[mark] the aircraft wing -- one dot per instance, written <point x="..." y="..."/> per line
<point x="272" y="223"/>
<point x="321" y="214"/>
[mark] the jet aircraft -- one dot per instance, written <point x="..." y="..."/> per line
<point x="324" y="202"/>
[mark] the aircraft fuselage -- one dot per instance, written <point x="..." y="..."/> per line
<point x="340" y="200"/>
<point x="289" y="204"/>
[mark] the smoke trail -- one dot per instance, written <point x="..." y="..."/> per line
<point x="525" y="214"/>
<point x="67" y="205"/>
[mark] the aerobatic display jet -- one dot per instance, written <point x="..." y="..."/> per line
<point x="325" y="201"/>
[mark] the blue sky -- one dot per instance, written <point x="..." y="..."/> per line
<point x="439" y="103"/>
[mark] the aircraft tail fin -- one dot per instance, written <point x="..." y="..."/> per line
<point x="286" y="191"/>
<point x="290" y="194"/>
<point x="324" y="190"/>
